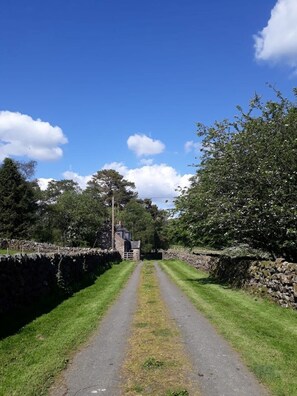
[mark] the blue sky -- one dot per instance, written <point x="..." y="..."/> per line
<point x="109" y="83"/>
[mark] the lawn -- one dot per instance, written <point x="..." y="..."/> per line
<point x="263" y="333"/>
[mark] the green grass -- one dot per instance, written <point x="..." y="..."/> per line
<point x="179" y="392"/>
<point x="9" y="251"/>
<point x="264" y="334"/>
<point x="30" y="359"/>
<point x="153" y="363"/>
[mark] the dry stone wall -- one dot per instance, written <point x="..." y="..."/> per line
<point x="24" y="246"/>
<point x="275" y="279"/>
<point x="199" y="261"/>
<point x="25" y="279"/>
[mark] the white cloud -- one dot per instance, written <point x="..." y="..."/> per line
<point x="117" y="166"/>
<point x="81" y="180"/>
<point x="152" y="181"/>
<point x="277" y="42"/>
<point x="143" y="145"/>
<point x="147" y="161"/>
<point x="43" y="182"/>
<point x="158" y="182"/>
<point x="20" y="135"/>
<point x="68" y="175"/>
<point x="191" y="146"/>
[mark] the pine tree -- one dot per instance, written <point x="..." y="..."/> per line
<point x="17" y="202"/>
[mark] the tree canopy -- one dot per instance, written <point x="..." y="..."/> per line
<point x="146" y="223"/>
<point x="17" y="202"/>
<point x="245" y="187"/>
<point x="107" y="183"/>
<point x="68" y="215"/>
<point x="75" y="217"/>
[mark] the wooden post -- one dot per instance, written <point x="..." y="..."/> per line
<point x="112" y="223"/>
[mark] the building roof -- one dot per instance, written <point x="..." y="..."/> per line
<point x="121" y="228"/>
<point x="135" y="244"/>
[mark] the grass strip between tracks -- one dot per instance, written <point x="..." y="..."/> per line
<point x="30" y="359"/>
<point x="156" y="363"/>
<point x="264" y="334"/>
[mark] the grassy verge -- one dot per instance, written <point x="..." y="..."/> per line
<point x="9" y="251"/>
<point x="264" y="333"/>
<point x="156" y="363"/>
<point x="30" y="359"/>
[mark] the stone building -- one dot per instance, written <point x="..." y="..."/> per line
<point x="128" y="249"/>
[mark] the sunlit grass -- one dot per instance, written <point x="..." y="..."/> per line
<point x="9" y="251"/>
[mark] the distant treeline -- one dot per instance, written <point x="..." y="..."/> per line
<point x="65" y="214"/>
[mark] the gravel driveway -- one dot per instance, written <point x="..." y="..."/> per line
<point x="96" y="368"/>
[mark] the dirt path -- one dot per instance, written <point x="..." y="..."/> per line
<point x="96" y="369"/>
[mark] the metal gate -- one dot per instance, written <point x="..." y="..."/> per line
<point x="128" y="256"/>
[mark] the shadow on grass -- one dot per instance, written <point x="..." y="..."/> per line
<point x="12" y="322"/>
<point x="208" y="281"/>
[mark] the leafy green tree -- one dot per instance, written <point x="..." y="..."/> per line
<point x="107" y="183"/>
<point x="67" y="215"/>
<point x="159" y="218"/>
<point x="139" y="222"/>
<point x="46" y="229"/>
<point x="56" y="188"/>
<point x="146" y="223"/>
<point x="246" y="184"/>
<point x="17" y="202"/>
<point x="92" y="215"/>
<point x="27" y="169"/>
<point x="173" y="232"/>
<point x="179" y="229"/>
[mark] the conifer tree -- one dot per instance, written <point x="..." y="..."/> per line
<point x="17" y="202"/>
